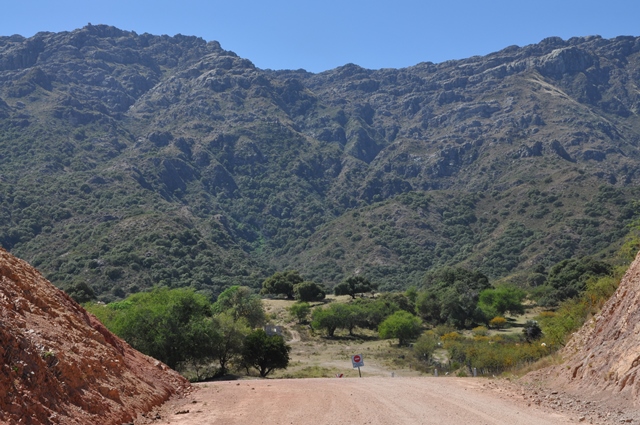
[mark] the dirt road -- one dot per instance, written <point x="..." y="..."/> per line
<point x="383" y="401"/>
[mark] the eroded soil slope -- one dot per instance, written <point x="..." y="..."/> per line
<point x="602" y="360"/>
<point x="60" y="365"/>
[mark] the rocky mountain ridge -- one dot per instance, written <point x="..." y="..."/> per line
<point x="168" y="160"/>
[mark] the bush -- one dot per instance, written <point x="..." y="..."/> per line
<point x="532" y="331"/>
<point x="480" y="331"/>
<point x="300" y="311"/>
<point x="498" y="322"/>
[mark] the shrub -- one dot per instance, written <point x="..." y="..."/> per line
<point x="498" y="322"/>
<point x="480" y="331"/>
<point x="300" y="311"/>
<point x="532" y="331"/>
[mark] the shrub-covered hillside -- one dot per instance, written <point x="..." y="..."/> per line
<point x="129" y="161"/>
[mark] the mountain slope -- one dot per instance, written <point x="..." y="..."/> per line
<point x="168" y="160"/>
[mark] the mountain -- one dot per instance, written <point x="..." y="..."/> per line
<point x="128" y="161"/>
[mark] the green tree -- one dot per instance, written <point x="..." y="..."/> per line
<point x="309" y="291"/>
<point x="425" y="346"/>
<point x="402" y="301"/>
<point x="402" y="325"/>
<point x="326" y="319"/>
<point x="81" y="292"/>
<point x="451" y="296"/>
<point x="265" y="353"/>
<point x="202" y="339"/>
<point x="240" y="301"/>
<point x="162" y="323"/>
<point x="281" y="283"/>
<point x="354" y="285"/>
<point x="228" y="345"/>
<point x="370" y="313"/>
<point x="498" y="301"/>
<point x="569" y="278"/>
<point x="300" y="311"/>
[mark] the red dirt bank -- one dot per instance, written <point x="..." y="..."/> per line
<point x="61" y="366"/>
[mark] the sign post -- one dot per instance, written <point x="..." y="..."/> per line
<point x="357" y="361"/>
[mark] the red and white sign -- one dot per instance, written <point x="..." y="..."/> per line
<point x="357" y="360"/>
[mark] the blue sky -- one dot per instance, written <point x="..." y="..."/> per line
<point x="320" y="35"/>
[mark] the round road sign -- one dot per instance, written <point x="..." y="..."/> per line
<point x="356" y="358"/>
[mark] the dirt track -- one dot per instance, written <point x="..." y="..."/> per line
<point x="384" y="401"/>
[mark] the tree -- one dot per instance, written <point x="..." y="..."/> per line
<point x="425" y="346"/>
<point x="202" y="339"/>
<point x="326" y="319"/>
<point x="265" y="353"/>
<point x="402" y="301"/>
<point x="370" y="313"/>
<point x="451" y="296"/>
<point x="300" y="311"/>
<point x="229" y="345"/>
<point x="240" y="301"/>
<point x="309" y="291"/>
<point x="498" y="301"/>
<point x="354" y="285"/>
<point x="402" y="325"/>
<point x="81" y="292"/>
<point x="568" y="279"/>
<point x="162" y="322"/>
<point x="281" y="283"/>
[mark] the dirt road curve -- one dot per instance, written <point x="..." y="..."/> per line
<point x="383" y="401"/>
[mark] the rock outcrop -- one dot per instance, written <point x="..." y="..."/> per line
<point x="60" y="365"/>
<point x="603" y="358"/>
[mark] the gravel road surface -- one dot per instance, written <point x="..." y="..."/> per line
<point x="382" y="401"/>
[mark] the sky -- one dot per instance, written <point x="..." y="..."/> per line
<point x="321" y="35"/>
